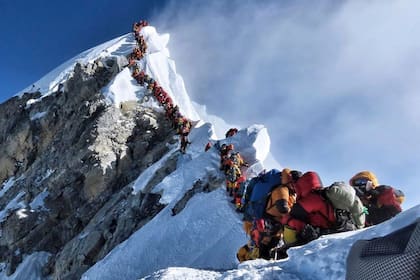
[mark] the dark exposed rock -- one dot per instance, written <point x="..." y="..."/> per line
<point x="207" y="185"/>
<point x="78" y="155"/>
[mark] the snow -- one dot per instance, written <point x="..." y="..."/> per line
<point x="7" y="185"/>
<point x="203" y="235"/>
<point x="14" y="204"/>
<point x="201" y="241"/>
<point x="324" y="258"/>
<point x="29" y="269"/>
<point x="159" y="66"/>
<point x="38" y="202"/>
<point x="183" y="273"/>
<point x="38" y="115"/>
<point x="189" y="240"/>
<point x="48" y="84"/>
<point x="196" y="163"/>
<point x="123" y="89"/>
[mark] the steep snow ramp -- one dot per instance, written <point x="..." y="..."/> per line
<point x="205" y="234"/>
<point x="29" y="269"/>
<point x="123" y="88"/>
<point x="162" y="68"/>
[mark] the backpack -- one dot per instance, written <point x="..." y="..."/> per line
<point x="346" y="203"/>
<point x="233" y="173"/>
<point x="388" y="196"/>
<point x="307" y="183"/>
<point x="262" y="187"/>
<point x="278" y="194"/>
<point x="236" y="158"/>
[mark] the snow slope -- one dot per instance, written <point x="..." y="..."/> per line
<point x="321" y="259"/>
<point x="207" y="229"/>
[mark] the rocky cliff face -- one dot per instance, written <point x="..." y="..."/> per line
<point x="67" y="159"/>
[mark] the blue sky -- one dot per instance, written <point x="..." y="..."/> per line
<point x="336" y="84"/>
<point x="37" y="36"/>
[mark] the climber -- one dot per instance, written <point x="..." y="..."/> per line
<point x="136" y="28"/>
<point x="161" y="96"/>
<point x="184" y="143"/>
<point x="140" y="40"/>
<point x="175" y="115"/>
<point x="140" y="78"/>
<point x="168" y="110"/>
<point x="183" y="131"/>
<point x="166" y="99"/>
<point x="141" y="43"/>
<point x="148" y="79"/>
<point x="265" y="234"/>
<point x="143" y="23"/>
<point x="208" y="146"/>
<point x="248" y="252"/>
<point x="184" y="125"/>
<point x="231" y="132"/>
<point x="232" y="173"/>
<point x="136" y="73"/>
<point x="311" y="215"/>
<point x="237" y="195"/>
<point x="277" y="204"/>
<point x="225" y="153"/>
<point x="131" y="60"/>
<point x="283" y="197"/>
<point x="157" y="91"/>
<point x="382" y="202"/>
<point x="150" y="86"/>
<point x="137" y="53"/>
<point x="238" y="160"/>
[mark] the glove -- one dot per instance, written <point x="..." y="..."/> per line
<point x="309" y="233"/>
<point x="365" y="211"/>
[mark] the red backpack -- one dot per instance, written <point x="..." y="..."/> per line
<point x="307" y="183"/>
<point x="386" y="197"/>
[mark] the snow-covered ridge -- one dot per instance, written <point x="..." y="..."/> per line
<point x="50" y="82"/>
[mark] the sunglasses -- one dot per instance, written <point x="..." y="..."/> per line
<point x="360" y="182"/>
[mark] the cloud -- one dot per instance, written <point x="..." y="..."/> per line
<point x="336" y="84"/>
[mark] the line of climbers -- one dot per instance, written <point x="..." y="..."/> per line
<point x="179" y="122"/>
<point x="233" y="166"/>
<point x="288" y="208"/>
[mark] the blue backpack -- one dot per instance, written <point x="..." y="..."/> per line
<point x="262" y="187"/>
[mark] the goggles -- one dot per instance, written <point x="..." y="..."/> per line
<point x="360" y="182"/>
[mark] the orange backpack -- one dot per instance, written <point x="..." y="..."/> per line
<point x="279" y="193"/>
